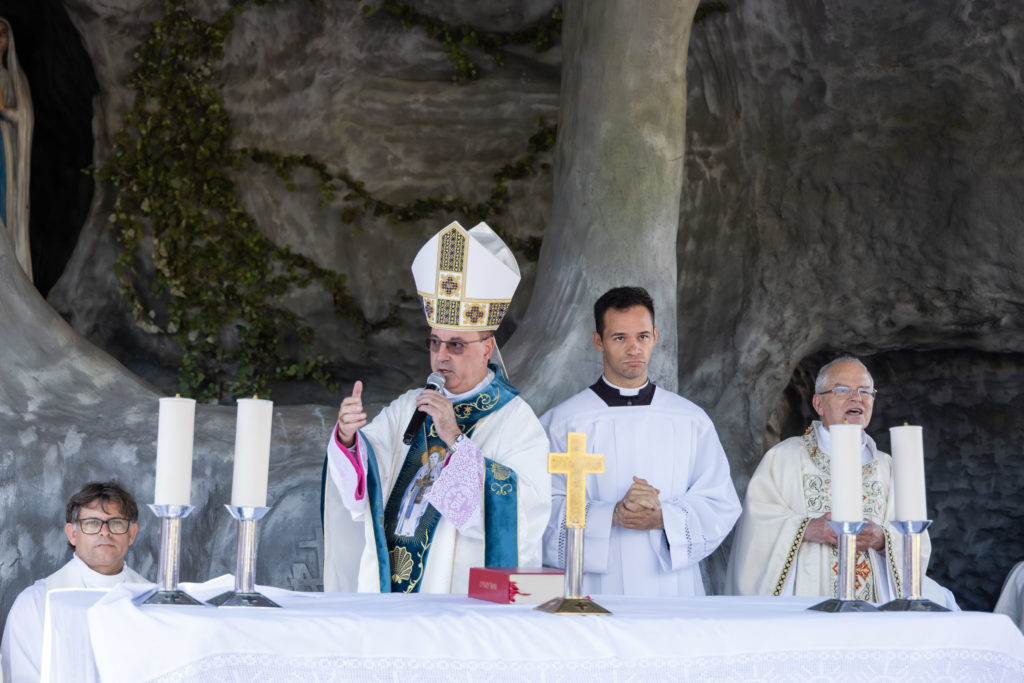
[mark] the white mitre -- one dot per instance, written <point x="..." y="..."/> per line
<point x="465" y="280"/>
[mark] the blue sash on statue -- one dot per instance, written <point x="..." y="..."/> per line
<point x="3" y="178"/>
<point x="402" y="559"/>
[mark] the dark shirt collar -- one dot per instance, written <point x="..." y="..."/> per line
<point x="614" y="399"/>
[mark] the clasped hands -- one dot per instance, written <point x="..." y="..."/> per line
<point x="352" y="417"/>
<point x="818" y="531"/>
<point x="640" y="508"/>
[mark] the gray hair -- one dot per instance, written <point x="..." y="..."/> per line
<point x="822" y="379"/>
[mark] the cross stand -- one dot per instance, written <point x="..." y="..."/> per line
<point x="847" y="600"/>
<point x="167" y="591"/>
<point x="911" y="601"/>
<point x="245" y="594"/>
<point x="575" y="464"/>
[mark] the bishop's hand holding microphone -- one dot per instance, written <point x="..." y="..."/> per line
<point x="436" y="382"/>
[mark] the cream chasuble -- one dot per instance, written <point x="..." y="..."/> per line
<point x="791" y="487"/>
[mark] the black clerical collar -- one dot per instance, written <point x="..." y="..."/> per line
<point x="611" y="396"/>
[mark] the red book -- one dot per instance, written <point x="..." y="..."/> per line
<point x="516" y="585"/>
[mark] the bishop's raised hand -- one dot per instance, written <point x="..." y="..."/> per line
<point x="351" y="416"/>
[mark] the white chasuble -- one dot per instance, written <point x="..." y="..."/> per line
<point x="667" y="440"/>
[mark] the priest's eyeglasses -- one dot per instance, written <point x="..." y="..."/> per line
<point x="454" y="347"/>
<point x="93" y="525"/>
<point x="842" y="392"/>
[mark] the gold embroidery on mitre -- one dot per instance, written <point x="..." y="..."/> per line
<point x="447" y="313"/>
<point x="495" y="313"/>
<point x="451" y="250"/>
<point x="449" y="306"/>
<point x="449" y="285"/>
<point x="474" y="313"/>
<point x="429" y="308"/>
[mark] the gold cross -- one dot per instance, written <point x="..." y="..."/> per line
<point x="576" y="465"/>
<point x="474" y="313"/>
<point x="450" y="285"/>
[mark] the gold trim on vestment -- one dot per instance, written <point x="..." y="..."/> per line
<point x="891" y="553"/>
<point x="818" y="500"/>
<point x="794" y="548"/>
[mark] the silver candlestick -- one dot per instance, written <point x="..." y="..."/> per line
<point x="847" y="600"/>
<point x="245" y="594"/>
<point x="167" y="591"/>
<point x="911" y="601"/>
<point x="572" y="602"/>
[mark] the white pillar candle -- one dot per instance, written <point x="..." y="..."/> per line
<point x="252" y="452"/>
<point x="908" y="473"/>
<point x="847" y="501"/>
<point x="175" y="433"/>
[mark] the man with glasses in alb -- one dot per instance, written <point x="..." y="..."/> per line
<point x="101" y="524"/>
<point x="783" y="544"/>
<point x="452" y="476"/>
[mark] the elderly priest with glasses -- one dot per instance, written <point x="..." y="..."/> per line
<point x="454" y="475"/>
<point x="783" y="544"/>
<point x="101" y="526"/>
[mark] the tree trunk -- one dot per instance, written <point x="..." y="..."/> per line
<point x="618" y="177"/>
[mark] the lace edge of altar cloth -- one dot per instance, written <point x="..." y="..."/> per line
<point x="797" y="666"/>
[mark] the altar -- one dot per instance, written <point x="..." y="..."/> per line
<point x="96" y="636"/>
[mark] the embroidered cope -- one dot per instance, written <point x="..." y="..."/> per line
<point x="790" y="488"/>
<point x="428" y="519"/>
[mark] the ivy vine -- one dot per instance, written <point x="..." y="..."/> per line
<point x="218" y="283"/>
<point x="361" y="201"/>
<point x="455" y="39"/>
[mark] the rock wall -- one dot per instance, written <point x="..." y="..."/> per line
<point x="852" y="182"/>
<point x="69" y="413"/>
<point x="364" y="96"/>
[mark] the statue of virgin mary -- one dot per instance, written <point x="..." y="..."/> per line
<point x="16" y="120"/>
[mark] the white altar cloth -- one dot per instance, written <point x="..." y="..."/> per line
<point x="370" y="637"/>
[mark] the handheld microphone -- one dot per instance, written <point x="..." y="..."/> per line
<point x="435" y="382"/>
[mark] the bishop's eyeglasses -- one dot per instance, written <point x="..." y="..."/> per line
<point x="93" y="525"/>
<point x="433" y="344"/>
<point x="865" y="393"/>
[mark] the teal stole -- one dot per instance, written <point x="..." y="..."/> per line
<point x="402" y="559"/>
